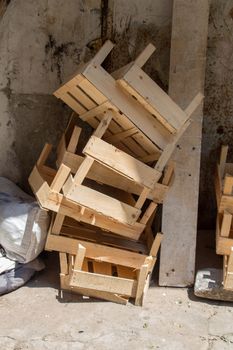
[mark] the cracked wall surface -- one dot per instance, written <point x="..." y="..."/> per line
<point x="41" y="44"/>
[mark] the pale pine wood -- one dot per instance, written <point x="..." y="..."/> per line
<point x="223" y="244"/>
<point x="103" y="283"/>
<point x="103" y="52"/>
<point x="149" y="211"/>
<point x="92" y="293"/>
<point x="74" y="139"/>
<point x="56" y="202"/>
<point x="114" y="139"/>
<point x="121" y="162"/>
<point x="87" y="163"/>
<point x="226" y="224"/>
<point x="142" y="198"/>
<point x="44" y="155"/>
<point x="184" y="83"/>
<point x="95" y="251"/>
<point x="229" y="272"/>
<point x="156" y="244"/>
<point x="141" y="282"/>
<point x="102" y="268"/>
<point x="228" y="185"/>
<point x="103" y="204"/>
<point x="78" y="263"/>
<point x="63" y="264"/>
<point x="102" y="174"/>
<point x="58" y="222"/>
<point x="168" y="172"/>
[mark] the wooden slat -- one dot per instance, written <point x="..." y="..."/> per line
<point x="73" y="103"/>
<point x="103" y="52"/>
<point x="82" y="97"/>
<point x="103" y="204"/>
<point x="134" y="111"/>
<point x="63" y="264"/>
<point x="97" y="252"/>
<point x="153" y="98"/>
<point x="102" y="268"/>
<point x="87" y="163"/>
<point x="223" y="159"/>
<point x="89" y="233"/>
<point x="126" y="272"/>
<point x="223" y="244"/>
<point x="114" y="139"/>
<point x="141" y="284"/>
<point x="168" y="172"/>
<point x="149" y="211"/>
<point x="226" y="224"/>
<point x="58" y="203"/>
<point x="121" y="162"/>
<point x="58" y="222"/>
<point x="72" y="145"/>
<point x="110" y="284"/>
<point x="156" y="245"/>
<point x="44" y="155"/>
<point x="91" y="91"/>
<point x="93" y="293"/>
<point x="228" y="284"/>
<point x="79" y="259"/>
<point x="228" y="185"/>
<point x="102" y="174"/>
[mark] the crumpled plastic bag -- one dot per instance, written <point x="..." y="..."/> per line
<point x="23" y="224"/>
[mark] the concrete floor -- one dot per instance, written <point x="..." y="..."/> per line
<point x="38" y="317"/>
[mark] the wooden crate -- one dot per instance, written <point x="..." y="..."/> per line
<point x="228" y="271"/>
<point x="136" y="130"/>
<point x="101" y="174"/>
<point x="224" y="227"/>
<point x="102" y="265"/>
<point x="224" y="183"/>
<point x="112" y="211"/>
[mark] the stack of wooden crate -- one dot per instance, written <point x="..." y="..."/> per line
<point x="224" y="228"/>
<point x="104" y="197"/>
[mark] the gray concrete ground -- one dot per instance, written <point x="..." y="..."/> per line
<point x="38" y="317"/>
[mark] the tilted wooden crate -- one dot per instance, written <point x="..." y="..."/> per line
<point x="224" y="228"/>
<point x="98" y="264"/>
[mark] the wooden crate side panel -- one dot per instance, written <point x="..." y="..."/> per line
<point x="121" y="162"/>
<point x="104" y="205"/>
<point x="95" y="251"/>
<point x="99" y="282"/>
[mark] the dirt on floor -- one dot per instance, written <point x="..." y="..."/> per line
<point x="37" y="317"/>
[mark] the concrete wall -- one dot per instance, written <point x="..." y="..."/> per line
<point x="218" y="107"/>
<point x="42" y="42"/>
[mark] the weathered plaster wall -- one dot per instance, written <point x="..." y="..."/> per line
<point x="42" y="42"/>
<point x="132" y="25"/>
<point x="218" y="107"/>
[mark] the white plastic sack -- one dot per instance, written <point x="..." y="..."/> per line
<point x="23" y="224"/>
